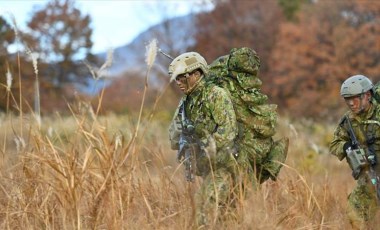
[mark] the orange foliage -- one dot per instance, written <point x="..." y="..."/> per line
<point x="125" y="95"/>
<point x="332" y="41"/>
<point x="252" y="24"/>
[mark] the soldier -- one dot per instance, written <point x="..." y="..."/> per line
<point x="357" y="138"/>
<point x="210" y="110"/>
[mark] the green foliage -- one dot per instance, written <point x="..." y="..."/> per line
<point x="291" y="8"/>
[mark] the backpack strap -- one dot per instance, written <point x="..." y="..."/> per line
<point x="370" y="136"/>
<point x="372" y="122"/>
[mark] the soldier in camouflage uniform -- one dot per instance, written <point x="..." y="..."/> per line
<point x="210" y="109"/>
<point x="364" y="114"/>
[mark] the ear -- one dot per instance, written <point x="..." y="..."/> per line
<point x="369" y="95"/>
<point x="197" y="73"/>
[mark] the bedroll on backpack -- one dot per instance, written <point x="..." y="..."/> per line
<point x="238" y="73"/>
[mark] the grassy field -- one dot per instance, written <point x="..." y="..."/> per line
<point x="90" y="172"/>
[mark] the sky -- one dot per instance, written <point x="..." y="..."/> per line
<point x="115" y="22"/>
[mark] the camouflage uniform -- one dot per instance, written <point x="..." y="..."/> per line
<point x="210" y="109"/>
<point x="362" y="200"/>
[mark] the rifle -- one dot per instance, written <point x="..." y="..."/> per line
<point x="187" y="145"/>
<point x="357" y="159"/>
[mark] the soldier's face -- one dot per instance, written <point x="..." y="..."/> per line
<point x="186" y="81"/>
<point x="359" y="103"/>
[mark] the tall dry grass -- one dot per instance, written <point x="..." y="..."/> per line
<point x="79" y="172"/>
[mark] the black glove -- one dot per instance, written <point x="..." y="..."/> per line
<point x="346" y="146"/>
<point x="372" y="158"/>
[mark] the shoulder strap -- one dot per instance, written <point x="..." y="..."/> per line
<point x="370" y="135"/>
<point x="182" y="112"/>
<point x="342" y="120"/>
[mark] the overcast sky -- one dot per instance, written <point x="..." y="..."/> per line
<point x="115" y="22"/>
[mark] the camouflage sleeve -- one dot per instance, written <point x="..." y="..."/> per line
<point x="340" y="138"/>
<point x="222" y="111"/>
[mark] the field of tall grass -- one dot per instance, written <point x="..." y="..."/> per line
<point x="87" y="171"/>
<point x="91" y="172"/>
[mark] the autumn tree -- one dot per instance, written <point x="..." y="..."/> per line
<point x="61" y="34"/>
<point x="124" y="93"/>
<point x="250" y="23"/>
<point x="332" y="41"/>
<point x="7" y="37"/>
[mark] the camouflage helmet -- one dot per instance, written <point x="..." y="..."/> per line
<point x="355" y="85"/>
<point x="186" y="63"/>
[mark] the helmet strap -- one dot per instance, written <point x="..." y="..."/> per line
<point x="361" y="104"/>
<point x="190" y="89"/>
<point x="187" y="81"/>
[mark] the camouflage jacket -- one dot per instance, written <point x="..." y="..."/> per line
<point x="210" y="109"/>
<point x="365" y="126"/>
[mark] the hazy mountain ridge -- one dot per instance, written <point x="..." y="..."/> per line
<point x="172" y="34"/>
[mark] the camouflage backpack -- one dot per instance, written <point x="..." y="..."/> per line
<point x="376" y="92"/>
<point x="238" y="73"/>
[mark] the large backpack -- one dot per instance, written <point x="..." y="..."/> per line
<point x="238" y="73"/>
<point x="376" y="92"/>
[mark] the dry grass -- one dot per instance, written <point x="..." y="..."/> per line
<point x="86" y="172"/>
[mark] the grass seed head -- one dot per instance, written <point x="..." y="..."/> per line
<point x="151" y="52"/>
<point x="9" y="80"/>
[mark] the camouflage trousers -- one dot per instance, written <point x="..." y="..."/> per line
<point x="218" y="197"/>
<point x="214" y="197"/>
<point x="362" y="203"/>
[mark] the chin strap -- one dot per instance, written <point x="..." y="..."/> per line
<point x="361" y="104"/>
<point x="190" y="89"/>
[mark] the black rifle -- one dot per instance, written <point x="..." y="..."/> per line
<point x="358" y="160"/>
<point x="355" y="154"/>
<point x="187" y="144"/>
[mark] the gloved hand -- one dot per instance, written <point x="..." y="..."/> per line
<point x="372" y="158"/>
<point x="346" y="146"/>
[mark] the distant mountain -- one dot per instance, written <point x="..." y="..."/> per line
<point x="173" y="34"/>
